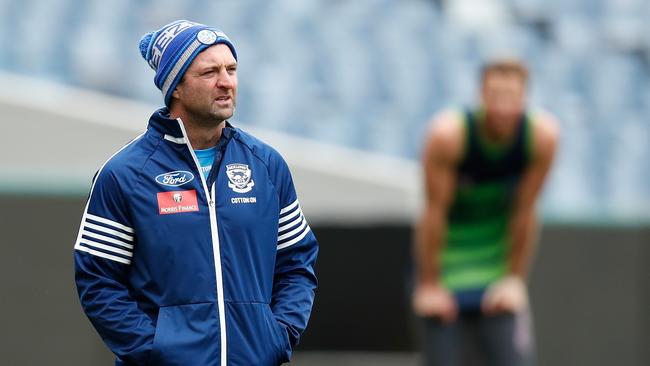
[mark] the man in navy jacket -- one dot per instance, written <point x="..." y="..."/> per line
<point x="193" y="249"/>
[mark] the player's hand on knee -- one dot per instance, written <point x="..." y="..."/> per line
<point x="433" y="300"/>
<point x="508" y="295"/>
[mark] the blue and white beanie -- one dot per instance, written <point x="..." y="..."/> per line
<point x="171" y="50"/>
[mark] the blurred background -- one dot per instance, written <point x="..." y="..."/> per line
<point x="344" y="90"/>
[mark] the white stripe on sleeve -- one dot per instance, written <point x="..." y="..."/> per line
<point x="105" y="247"/>
<point x="289" y="208"/>
<point x="294" y="240"/>
<point x="108" y="231"/>
<point x="107" y="239"/>
<point x="109" y="223"/>
<point x="103" y="255"/>
<point x="291" y="224"/>
<point x="294" y="231"/>
<point x="290" y="216"/>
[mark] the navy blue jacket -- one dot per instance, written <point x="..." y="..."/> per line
<point x="175" y="269"/>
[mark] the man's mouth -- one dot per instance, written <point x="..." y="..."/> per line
<point x="223" y="98"/>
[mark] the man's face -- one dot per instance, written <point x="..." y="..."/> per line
<point x="208" y="90"/>
<point x="503" y="97"/>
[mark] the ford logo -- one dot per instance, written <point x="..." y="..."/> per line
<point x="175" y="179"/>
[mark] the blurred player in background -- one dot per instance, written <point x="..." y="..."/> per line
<point x="484" y="168"/>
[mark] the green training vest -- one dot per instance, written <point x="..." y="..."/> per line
<point x="477" y="239"/>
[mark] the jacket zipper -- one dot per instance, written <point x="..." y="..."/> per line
<point x="210" y="195"/>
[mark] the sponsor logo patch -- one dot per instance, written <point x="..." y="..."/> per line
<point x="239" y="177"/>
<point x="237" y="200"/>
<point x="175" y="178"/>
<point x="177" y="202"/>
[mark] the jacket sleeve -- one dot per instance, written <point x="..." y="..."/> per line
<point x="294" y="281"/>
<point x="102" y="255"/>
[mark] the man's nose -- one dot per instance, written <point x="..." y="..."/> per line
<point x="225" y="80"/>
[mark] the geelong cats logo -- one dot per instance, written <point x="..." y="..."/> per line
<point x="239" y="177"/>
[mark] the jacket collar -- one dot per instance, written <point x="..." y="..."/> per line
<point x="168" y="127"/>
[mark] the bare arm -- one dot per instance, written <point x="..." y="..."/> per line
<point x="523" y="224"/>
<point x="441" y="153"/>
<point x="431" y="228"/>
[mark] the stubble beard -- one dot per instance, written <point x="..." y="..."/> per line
<point x="212" y="116"/>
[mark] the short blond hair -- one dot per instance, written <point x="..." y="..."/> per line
<point x="505" y="66"/>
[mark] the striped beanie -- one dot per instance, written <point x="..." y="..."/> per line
<point x="171" y="50"/>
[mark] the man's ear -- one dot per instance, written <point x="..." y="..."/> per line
<point x="176" y="94"/>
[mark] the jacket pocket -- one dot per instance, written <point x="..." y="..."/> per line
<point x="186" y="335"/>
<point x="254" y="336"/>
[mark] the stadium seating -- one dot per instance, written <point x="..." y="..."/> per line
<point x="368" y="74"/>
